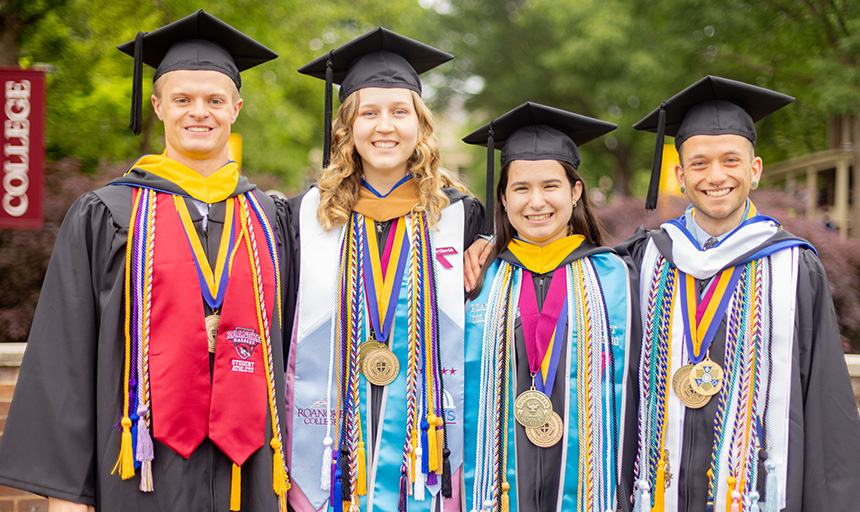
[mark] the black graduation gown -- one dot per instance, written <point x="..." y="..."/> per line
<point x="824" y="434"/>
<point x="61" y="438"/>
<point x="537" y="468"/>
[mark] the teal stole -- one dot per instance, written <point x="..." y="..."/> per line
<point x="613" y="277"/>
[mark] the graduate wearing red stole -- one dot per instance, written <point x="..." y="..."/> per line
<point x="153" y="375"/>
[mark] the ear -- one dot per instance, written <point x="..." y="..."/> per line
<point x="156" y="105"/>
<point x="236" y="108"/>
<point x="757" y="168"/>
<point x="679" y="175"/>
<point x="576" y="192"/>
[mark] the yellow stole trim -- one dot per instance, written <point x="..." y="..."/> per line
<point x="398" y="203"/>
<point x="547" y="258"/>
<point x="214" y="188"/>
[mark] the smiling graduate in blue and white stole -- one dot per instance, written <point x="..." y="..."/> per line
<point x="374" y="379"/>
<point x="744" y="397"/>
<point x="548" y="330"/>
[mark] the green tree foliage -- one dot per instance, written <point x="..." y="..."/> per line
<point x="89" y="83"/>
<point x="618" y="59"/>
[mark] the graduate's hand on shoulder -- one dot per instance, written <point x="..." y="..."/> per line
<point x="58" y="505"/>
<point x="473" y="260"/>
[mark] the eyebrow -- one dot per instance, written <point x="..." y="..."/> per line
<point x="393" y="104"/>
<point x="523" y="182"/>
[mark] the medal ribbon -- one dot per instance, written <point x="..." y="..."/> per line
<point x="213" y="284"/>
<point x="550" y="361"/>
<point x="538" y="327"/>
<point x="382" y="280"/>
<point x="699" y="334"/>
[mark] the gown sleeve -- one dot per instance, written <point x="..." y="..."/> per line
<point x="633" y="248"/>
<point x="48" y="446"/>
<point x="828" y="471"/>
<point x="474" y="221"/>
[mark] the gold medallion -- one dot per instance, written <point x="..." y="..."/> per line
<point x="367" y="347"/>
<point x="684" y="390"/>
<point x="707" y="378"/>
<point x="380" y="366"/>
<point x="532" y="408"/>
<point x="212" y="322"/>
<point x="547" y="434"/>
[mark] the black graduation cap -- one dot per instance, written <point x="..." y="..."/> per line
<point x="535" y="132"/>
<point x="711" y="106"/>
<point x="379" y="58"/>
<point x="198" y="41"/>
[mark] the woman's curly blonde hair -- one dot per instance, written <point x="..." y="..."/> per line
<point x="339" y="183"/>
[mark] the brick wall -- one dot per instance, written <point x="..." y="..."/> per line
<point x="13" y="500"/>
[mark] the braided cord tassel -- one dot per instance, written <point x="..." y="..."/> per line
<point x="145" y="451"/>
<point x="125" y="462"/>
<point x="280" y="483"/>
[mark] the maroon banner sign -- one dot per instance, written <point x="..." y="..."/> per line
<point x="22" y="138"/>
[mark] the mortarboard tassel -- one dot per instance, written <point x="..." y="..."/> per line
<point x="446" y="473"/>
<point x="657" y="165"/>
<point x="236" y="488"/>
<point x="489" y="199"/>
<point x="136" y="120"/>
<point x="327" y="118"/>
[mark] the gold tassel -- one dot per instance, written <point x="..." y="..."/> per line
<point x="440" y="443"/>
<point x="432" y="455"/>
<point x="506" y="501"/>
<point x="279" y="475"/>
<point x="236" y="489"/>
<point x="125" y="462"/>
<point x="660" y="484"/>
<point x="731" y="481"/>
<point x="362" y="479"/>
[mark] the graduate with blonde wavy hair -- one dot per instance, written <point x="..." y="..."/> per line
<point x="375" y="368"/>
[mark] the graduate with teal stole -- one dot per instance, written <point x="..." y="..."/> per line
<point x="547" y="331"/>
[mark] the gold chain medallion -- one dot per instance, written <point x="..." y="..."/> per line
<point x="707" y="378"/>
<point x="380" y="366"/>
<point x="532" y="408"/>
<point x="547" y="434"/>
<point x="212" y="322"/>
<point x="684" y="390"/>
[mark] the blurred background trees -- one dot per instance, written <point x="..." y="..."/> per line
<point x="612" y="59"/>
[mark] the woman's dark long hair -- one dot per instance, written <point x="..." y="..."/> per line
<point x="582" y="220"/>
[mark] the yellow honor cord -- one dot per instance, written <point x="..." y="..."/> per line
<point x="125" y="461"/>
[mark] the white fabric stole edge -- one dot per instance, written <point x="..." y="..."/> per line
<point x="784" y="304"/>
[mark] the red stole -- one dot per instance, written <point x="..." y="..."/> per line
<point x="231" y="407"/>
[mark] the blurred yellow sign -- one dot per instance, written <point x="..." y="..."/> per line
<point x="668" y="182"/>
<point x="234" y="149"/>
